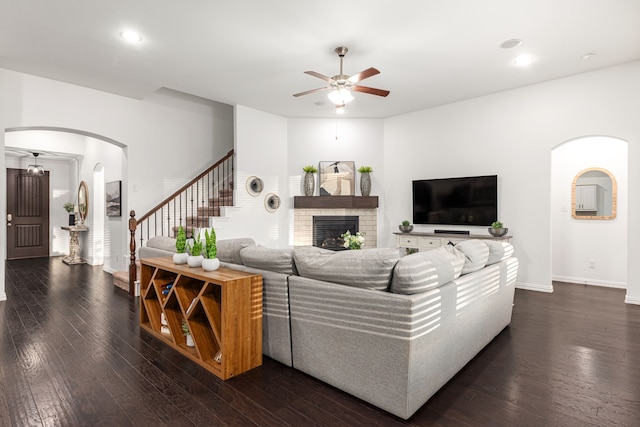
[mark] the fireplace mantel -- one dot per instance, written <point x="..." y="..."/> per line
<point x="335" y="202"/>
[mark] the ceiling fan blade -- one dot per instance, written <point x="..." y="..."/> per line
<point x="320" y="76"/>
<point x="320" y="89"/>
<point x="370" y="90"/>
<point x="363" y="75"/>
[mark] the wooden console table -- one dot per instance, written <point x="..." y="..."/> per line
<point x="74" y="244"/>
<point x="222" y="308"/>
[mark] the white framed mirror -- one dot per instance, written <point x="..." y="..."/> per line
<point x="594" y="195"/>
<point x="83" y="201"/>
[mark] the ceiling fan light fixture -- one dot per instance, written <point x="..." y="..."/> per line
<point x="340" y="96"/>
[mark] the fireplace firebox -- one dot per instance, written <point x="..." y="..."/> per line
<point x="328" y="229"/>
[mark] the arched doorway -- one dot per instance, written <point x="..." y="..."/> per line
<point x="592" y="252"/>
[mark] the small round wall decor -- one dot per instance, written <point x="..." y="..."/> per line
<point x="254" y="185"/>
<point x="271" y="202"/>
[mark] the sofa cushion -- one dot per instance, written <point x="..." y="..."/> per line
<point x="367" y="268"/>
<point x="476" y="254"/>
<point x="277" y="260"/>
<point x="426" y="270"/>
<point x="229" y="249"/>
<point x="164" y="243"/>
<point x="498" y="251"/>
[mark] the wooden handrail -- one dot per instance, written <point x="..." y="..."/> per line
<point x="198" y="186"/>
<point x="184" y="187"/>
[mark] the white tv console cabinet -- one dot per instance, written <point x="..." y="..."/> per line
<point x="425" y="241"/>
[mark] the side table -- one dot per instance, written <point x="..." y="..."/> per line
<point x="74" y="244"/>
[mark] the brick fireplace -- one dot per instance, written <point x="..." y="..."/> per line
<point x="364" y="208"/>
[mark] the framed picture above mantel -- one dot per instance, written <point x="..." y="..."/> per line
<point x="337" y="178"/>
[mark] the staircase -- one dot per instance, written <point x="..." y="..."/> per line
<point x="191" y="207"/>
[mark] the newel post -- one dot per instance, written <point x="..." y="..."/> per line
<point x="133" y="224"/>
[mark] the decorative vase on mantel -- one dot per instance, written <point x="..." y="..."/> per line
<point x="309" y="184"/>
<point x="365" y="183"/>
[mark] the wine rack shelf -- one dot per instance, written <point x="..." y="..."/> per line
<point x="222" y="310"/>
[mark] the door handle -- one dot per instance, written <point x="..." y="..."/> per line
<point x="9" y="219"/>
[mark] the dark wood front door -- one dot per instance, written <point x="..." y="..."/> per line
<point x="27" y="214"/>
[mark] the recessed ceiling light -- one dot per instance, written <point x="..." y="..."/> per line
<point x="511" y="43"/>
<point x="131" y="36"/>
<point x="523" y="60"/>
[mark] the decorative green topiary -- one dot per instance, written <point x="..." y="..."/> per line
<point x="365" y="169"/>
<point x="210" y="241"/>
<point x="181" y="240"/>
<point x="406" y="223"/>
<point x="496" y="224"/>
<point x="196" y="249"/>
<point x="69" y="207"/>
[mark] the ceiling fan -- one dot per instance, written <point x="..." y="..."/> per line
<point x="342" y="85"/>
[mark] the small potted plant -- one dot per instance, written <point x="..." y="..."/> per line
<point x="195" y="258"/>
<point x="70" y="208"/>
<point x="210" y="263"/>
<point x="497" y="229"/>
<point x="180" y="257"/>
<point x="365" y="180"/>
<point x="309" y="180"/>
<point x="406" y="227"/>
<point x="187" y="333"/>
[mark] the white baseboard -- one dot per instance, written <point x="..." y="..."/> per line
<point x="583" y="281"/>
<point x="109" y="270"/>
<point x="534" y="287"/>
<point x="631" y="300"/>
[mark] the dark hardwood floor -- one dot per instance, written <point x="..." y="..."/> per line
<point x="72" y="354"/>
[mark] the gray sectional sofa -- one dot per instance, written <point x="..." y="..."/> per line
<point x="386" y="329"/>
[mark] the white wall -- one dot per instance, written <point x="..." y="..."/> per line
<point x="512" y="134"/>
<point x="260" y="147"/>
<point x="577" y="242"/>
<point x="168" y="138"/>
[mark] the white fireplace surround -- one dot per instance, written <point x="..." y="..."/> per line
<point x="303" y="224"/>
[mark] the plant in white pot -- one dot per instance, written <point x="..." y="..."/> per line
<point x="309" y="180"/>
<point x="195" y="258"/>
<point x="180" y="257"/>
<point x="210" y="263"/>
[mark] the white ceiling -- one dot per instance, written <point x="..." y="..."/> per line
<point x="254" y="52"/>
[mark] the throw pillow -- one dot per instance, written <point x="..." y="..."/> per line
<point x="476" y="254"/>
<point x="162" y="242"/>
<point x="426" y="270"/>
<point x="498" y="251"/>
<point x="277" y="260"/>
<point x="229" y="249"/>
<point x="366" y="268"/>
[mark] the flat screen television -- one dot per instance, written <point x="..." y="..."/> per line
<point x="456" y="201"/>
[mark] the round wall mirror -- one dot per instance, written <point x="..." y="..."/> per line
<point x="594" y="194"/>
<point x="83" y="201"/>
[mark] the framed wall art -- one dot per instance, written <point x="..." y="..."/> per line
<point x="112" y="204"/>
<point x="337" y="178"/>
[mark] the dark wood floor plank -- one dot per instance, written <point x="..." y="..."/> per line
<point x="72" y="353"/>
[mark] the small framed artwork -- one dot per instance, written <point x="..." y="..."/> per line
<point x="113" y="205"/>
<point x="337" y="178"/>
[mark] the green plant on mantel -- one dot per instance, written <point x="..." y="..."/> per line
<point x="310" y="169"/>
<point x="496" y="224"/>
<point x="365" y="169"/>
<point x="69" y="207"/>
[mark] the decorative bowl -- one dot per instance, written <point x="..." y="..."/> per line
<point x="406" y="228"/>
<point x="498" y="232"/>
